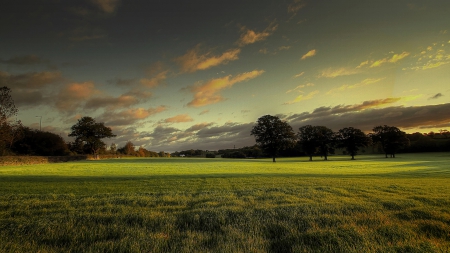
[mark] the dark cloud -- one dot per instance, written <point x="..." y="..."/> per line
<point x="436" y="96"/>
<point x="23" y="60"/>
<point x="32" y="80"/>
<point x="399" y="116"/>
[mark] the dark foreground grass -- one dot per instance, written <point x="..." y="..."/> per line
<point x="215" y="205"/>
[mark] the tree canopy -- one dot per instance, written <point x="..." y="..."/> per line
<point x="390" y="138"/>
<point x="273" y="135"/>
<point x="318" y="139"/>
<point x="90" y="133"/>
<point x="352" y="139"/>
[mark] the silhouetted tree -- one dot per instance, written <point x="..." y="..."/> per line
<point x="90" y="133"/>
<point x="352" y="139"/>
<point x="306" y="137"/>
<point x="325" y="140"/>
<point x="390" y="138"/>
<point x="273" y="135"/>
<point x="10" y="130"/>
<point x="35" y="142"/>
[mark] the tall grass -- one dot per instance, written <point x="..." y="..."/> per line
<point x="372" y="204"/>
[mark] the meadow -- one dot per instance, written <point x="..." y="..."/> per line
<point x="372" y="204"/>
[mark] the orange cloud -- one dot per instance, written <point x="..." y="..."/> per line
<point x="179" y="119"/>
<point x="73" y="95"/>
<point x="299" y="75"/>
<point x="141" y="113"/>
<point x="207" y="93"/>
<point x="154" y="81"/>
<point x="301" y="97"/>
<point x="250" y="36"/>
<point x="193" y="60"/>
<point x="310" y="53"/>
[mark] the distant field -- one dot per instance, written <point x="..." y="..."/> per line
<point x="372" y="204"/>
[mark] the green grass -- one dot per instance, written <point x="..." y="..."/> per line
<point x="371" y="204"/>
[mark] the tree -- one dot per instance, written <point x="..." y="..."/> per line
<point x="10" y="131"/>
<point x="35" y="142"/>
<point x="325" y="140"/>
<point x="318" y="139"/>
<point x="352" y="139"/>
<point x="390" y="138"/>
<point x="273" y="135"/>
<point x="90" y="133"/>
<point x="307" y="140"/>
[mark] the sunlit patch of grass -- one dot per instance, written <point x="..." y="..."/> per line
<point x="217" y="205"/>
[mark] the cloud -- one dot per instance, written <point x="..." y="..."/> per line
<point x="249" y="36"/>
<point x="296" y="6"/>
<point x="207" y="93"/>
<point x="335" y="72"/>
<point x="428" y="116"/>
<point x="302" y="98"/>
<point x="130" y="116"/>
<point x="154" y="81"/>
<point x="122" y="101"/>
<point x="284" y="48"/>
<point x="181" y="118"/>
<point x="198" y="127"/>
<point x="203" y="112"/>
<point x="300" y="87"/>
<point x="395" y="58"/>
<point x="363" y="83"/>
<point x="74" y="95"/>
<point x="33" y="80"/>
<point x="108" y="6"/>
<point x="24" y="60"/>
<point x="310" y="53"/>
<point x="299" y="74"/>
<point x="193" y="60"/>
<point x="436" y="96"/>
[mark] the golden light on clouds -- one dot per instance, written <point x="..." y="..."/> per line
<point x="310" y="53"/>
<point x="193" y="60"/>
<point x="250" y="36"/>
<point x="207" y="93"/>
<point x="179" y="119"/>
<point x="155" y="81"/>
<point x="302" y="98"/>
<point x="395" y="58"/>
<point x="335" y="72"/>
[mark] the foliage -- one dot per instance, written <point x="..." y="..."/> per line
<point x="390" y="138"/>
<point x="210" y="155"/>
<point x="223" y="205"/>
<point x="90" y="133"/>
<point x="316" y="139"/>
<point x="41" y="143"/>
<point x="273" y="135"/>
<point x="10" y="130"/>
<point x="352" y="139"/>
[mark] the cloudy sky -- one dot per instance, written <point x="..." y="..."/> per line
<point x="175" y="74"/>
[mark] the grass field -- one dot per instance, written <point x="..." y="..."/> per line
<point x="371" y="204"/>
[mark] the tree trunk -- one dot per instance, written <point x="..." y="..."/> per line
<point x="273" y="158"/>
<point x="353" y="157"/>
<point x="310" y="157"/>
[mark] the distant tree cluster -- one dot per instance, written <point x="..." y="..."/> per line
<point x="274" y="136"/>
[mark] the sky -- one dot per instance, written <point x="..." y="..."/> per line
<point x="172" y="75"/>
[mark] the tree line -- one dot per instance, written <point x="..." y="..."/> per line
<point x="275" y="136"/>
